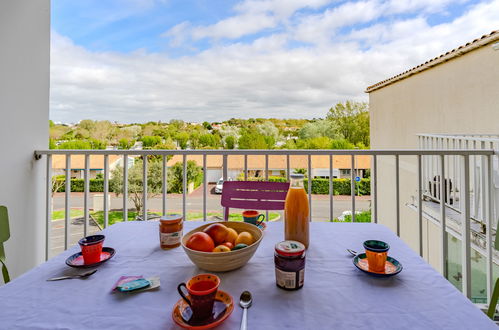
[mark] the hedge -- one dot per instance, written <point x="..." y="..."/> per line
<point x="77" y="185"/>
<point x="321" y="186"/>
<point x="340" y="186"/>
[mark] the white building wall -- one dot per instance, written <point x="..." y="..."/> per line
<point x="460" y="96"/>
<point x="24" y="114"/>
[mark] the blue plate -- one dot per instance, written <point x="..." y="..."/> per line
<point x="392" y="266"/>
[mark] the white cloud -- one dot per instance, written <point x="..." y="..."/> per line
<point x="264" y="78"/>
<point x="252" y="16"/>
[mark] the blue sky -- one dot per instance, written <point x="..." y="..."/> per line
<point x="141" y="60"/>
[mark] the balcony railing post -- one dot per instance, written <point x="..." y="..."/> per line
<point x="67" y="208"/>
<point x="267" y="179"/>
<point x="420" y="205"/>
<point x="106" y="190"/>
<point x="488" y="226"/>
<point x="352" y="186"/>
<point x="164" y="183"/>
<point x="86" y="193"/>
<point x="144" y="187"/>
<point x="48" y="207"/>
<point x="465" y="223"/>
<point x="225" y="178"/>
<point x="397" y="192"/>
<point x="331" y="189"/>
<point x="310" y="178"/>
<point x="443" y="222"/>
<point x="288" y="168"/>
<point x="374" y="185"/>
<point x="245" y="167"/>
<point x="184" y="186"/>
<point x="125" y="187"/>
<point x="205" y="186"/>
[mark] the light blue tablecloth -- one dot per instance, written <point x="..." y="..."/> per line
<point x="335" y="296"/>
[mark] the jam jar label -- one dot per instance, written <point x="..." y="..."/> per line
<point x="289" y="280"/>
<point x="170" y="238"/>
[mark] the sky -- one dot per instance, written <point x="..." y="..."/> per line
<point x="134" y="61"/>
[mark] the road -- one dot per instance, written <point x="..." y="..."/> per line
<point x="194" y="202"/>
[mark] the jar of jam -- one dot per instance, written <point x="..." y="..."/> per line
<point x="289" y="259"/>
<point x="170" y="231"/>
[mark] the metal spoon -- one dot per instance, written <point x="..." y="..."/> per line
<point x="245" y="303"/>
<point x="83" y="275"/>
<point x="352" y="252"/>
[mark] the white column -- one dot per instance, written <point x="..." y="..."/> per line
<point x="24" y="115"/>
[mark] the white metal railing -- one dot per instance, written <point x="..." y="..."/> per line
<point x="459" y="171"/>
<point x="452" y="169"/>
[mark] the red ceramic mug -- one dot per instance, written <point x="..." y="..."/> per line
<point x="91" y="248"/>
<point x="202" y="291"/>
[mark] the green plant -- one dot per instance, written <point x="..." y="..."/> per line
<point x="364" y="216"/>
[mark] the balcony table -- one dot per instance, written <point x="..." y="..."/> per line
<point x="336" y="295"/>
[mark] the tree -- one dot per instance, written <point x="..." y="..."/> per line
<point x="319" y="128"/>
<point x="267" y="128"/>
<point x="230" y="142"/>
<point x="321" y="142"/>
<point x="52" y="144"/>
<point x="252" y="140"/>
<point x="209" y="140"/>
<point x="125" y="144"/>
<point x="150" y="141"/>
<point x="176" y="175"/>
<point x="342" y="144"/>
<point x="75" y="144"/>
<point x="207" y="125"/>
<point x="352" y="119"/>
<point x="135" y="179"/>
<point x="182" y="138"/>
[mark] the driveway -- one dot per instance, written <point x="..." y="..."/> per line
<point x="194" y="203"/>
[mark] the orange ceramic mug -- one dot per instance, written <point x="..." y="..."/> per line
<point x="202" y="290"/>
<point x="376" y="252"/>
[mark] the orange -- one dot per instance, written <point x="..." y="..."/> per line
<point x="231" y="235"/>
<point x="200" y="242"/>
<point x="244" y="238"/>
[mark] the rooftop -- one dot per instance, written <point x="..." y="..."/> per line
<point x="461" y="50"/>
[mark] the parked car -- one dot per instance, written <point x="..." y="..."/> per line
<point x="220" y="185"/>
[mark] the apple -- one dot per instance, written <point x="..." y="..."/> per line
<point x="229" y="245"/>
<point x="221" y="248"/>
<point x="200" y="242"/>
<point x="217" y="232"/>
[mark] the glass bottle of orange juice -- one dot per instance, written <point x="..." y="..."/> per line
<point x="296" y="211"/>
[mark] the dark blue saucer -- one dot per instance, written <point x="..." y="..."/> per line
<point x="392" y="266"/>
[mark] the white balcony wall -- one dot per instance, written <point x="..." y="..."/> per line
<point x="24" y="114"/>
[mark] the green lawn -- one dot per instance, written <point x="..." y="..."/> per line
<point x="117" y="216"/>
<point x="59" y="215"/>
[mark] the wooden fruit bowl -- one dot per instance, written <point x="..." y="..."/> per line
<point x="224" y="261"/>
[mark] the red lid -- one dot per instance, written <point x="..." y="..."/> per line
<point x="170" y="219"/>
<point x="290" y="248"/>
